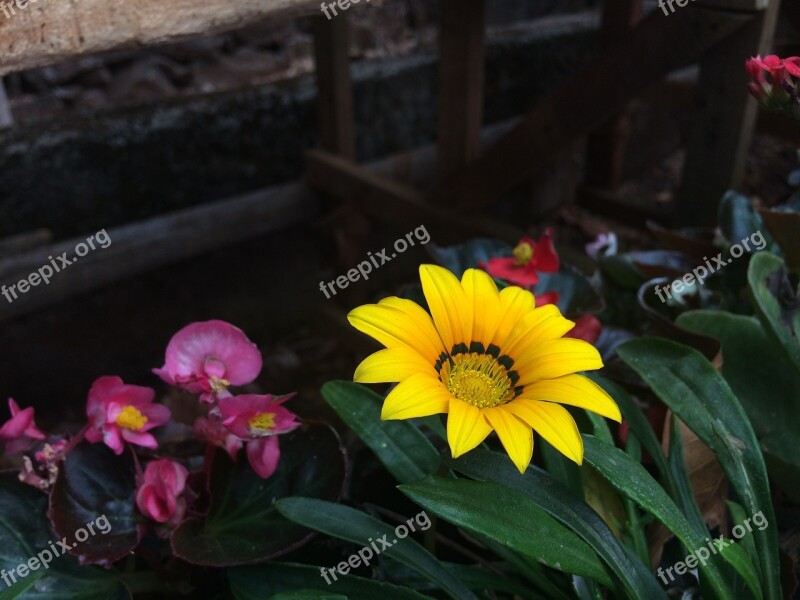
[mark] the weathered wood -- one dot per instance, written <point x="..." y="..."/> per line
<point x="462" y="43"/>
<point x="598" y="91"/>
<point x="723" y="120"/>
<point x="147" y="245"/>
<point x="6" y="120"/>
<point x="336" y="119"/>
<point x="392" y="201"/>
<point x="49" y="31"/>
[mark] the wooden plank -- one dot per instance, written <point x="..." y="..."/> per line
<point x="392" y="201"/>
<point x="723" y="121"/>
<point x="35" y="33"/>
<point x="335" y="114"/>
<point x="605" y="148"/>
<point x="462" y="45"/>
<point x="146" y="245"/>
<point x="6" y="120"/>
<point x="598" y="91"/>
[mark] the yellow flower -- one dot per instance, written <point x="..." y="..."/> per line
<point x="489" y="359"/>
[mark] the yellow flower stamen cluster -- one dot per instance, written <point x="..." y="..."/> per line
<point x="131" y="418"/>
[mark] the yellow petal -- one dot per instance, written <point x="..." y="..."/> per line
<point x="514" y="304"/>
<point x="540" y="325"/>
<point x="398" y="322"/>
<point x="392" y="364"/>
<point x="447" y="300"/>
<point x="482" y="295"/>
<point x="553" y="423"/>
<point x="466" y="427"/>
<point x="418" y="396"/>
<point x="516" y="435"/>
<point x="575" y="390"/>
<point x="556" y="358"/>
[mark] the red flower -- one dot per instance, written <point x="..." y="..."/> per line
<point x="529" y="258"/>
<point x="159" y="497"/>
<point x="587" y="328"/>
<point x="20" y="432"/>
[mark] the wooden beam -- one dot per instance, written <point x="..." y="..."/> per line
<point x="335" y="114"/>
<point x="146" y="245"/>
<point x="45" y="32"/>
<point x="723" y="120"/>
<point x="598" y="91"/>
<point x="388" y="200"/>
<point x="462" y="43"/>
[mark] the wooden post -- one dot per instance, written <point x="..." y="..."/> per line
<point x="605" y="147"/>
<point x="6" y="119"/>
<point x="723" y="122"/>
<point x="334" y="87"/>
<point x="461" y="76"/>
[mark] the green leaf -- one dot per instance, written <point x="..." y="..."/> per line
<point x="570" y="510"/>
<point x="576" y="295"/>
<point x="352" y="525"/>
<point x="458" y="259"/>
<point x="755" y="367"/>
<point x="25" y="533"/>
<point x="631" y="479"/>
<point x="307" y="595"/>
<point x="776" y="301"/>
<point x="401" y="447"/>
<point x="520" y="525"/>
<point x="738" y="219"/>
<point x="94" y="482"/>
<point x="243" y="525"/>
<point x="689" y="385"/>
<point x="257" y="583"/>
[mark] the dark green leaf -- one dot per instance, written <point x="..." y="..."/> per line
<point x="400" y="446"/>
<point x="570" y="510"/>
<point x="576" y="296"/>
<point x="94" y="482"/>
<point x="257" y="583"/>
<point x="689" y="385"/>
<point x="243" y="525"/>
<point x="350" y="524"/>
<point x="458" y="259"/>
<point x="520" y="525"/>
<point x="25" y="533"/>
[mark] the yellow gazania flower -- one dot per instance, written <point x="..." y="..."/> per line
<point x="489" y="359"/>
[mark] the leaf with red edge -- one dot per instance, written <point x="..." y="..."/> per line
<point x="92" y="482"/>
<point x="243" y="526"/>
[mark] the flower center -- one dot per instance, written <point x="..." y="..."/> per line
<point x="131" y="418"/>
<point x="262" y="422"/>
<point x="477" y="379"/>
<point x="217" y="384"/>
<point x="523" y="254"/>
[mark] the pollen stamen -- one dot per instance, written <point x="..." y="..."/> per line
<point x="477" y="379"/>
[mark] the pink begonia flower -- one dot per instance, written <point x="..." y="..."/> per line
<point x="120" y="412"/>
<point x="259" y="419"/>
<point x="530" y="257"/>
<point x="159" y="496"/>
<point x="207" y="357"/>
<point x="212" y="430"/>
<point x="792" y="65"/>
<point x="43" y="474"/>
<point x="20" y="432"/>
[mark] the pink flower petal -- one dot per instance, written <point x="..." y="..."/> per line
<point x="264" y="455"/>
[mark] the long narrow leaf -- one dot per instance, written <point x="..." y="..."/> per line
<point x="688" y="384"/>
<point x="507" y="516"/>
<point x="399" y="445"/>
<point x="350" y="524"/>
<point x="570" y="510"/>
